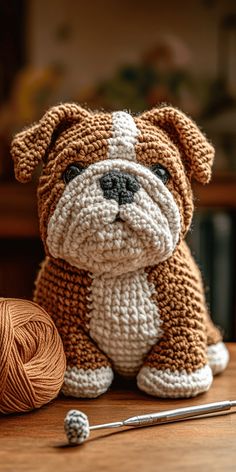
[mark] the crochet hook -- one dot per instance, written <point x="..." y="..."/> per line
<point x="77" y="426"/>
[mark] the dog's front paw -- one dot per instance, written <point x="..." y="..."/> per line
<point x="88" y="383"/>
<point x="168" y="384"/>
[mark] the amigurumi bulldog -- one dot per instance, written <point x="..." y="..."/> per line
<point x="115" y="203"/>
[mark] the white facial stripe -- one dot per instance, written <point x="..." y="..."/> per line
<point x="124" y="137"/>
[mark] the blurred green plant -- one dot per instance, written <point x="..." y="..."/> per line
<point x="163" y="74"/>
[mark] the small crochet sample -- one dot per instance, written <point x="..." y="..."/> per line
<point x="115" y="203"/>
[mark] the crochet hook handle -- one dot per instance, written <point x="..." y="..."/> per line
<point x="178" y="414"/>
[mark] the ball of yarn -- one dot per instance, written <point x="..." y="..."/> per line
<point x="32" y="359"/>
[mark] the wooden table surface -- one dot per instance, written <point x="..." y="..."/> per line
<point x="36" y="442"/>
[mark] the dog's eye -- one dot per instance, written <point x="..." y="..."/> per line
<point x="71" y="172"/>
<point x="161" y="172"/>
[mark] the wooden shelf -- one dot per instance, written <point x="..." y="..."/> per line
<point x="221" y="192"/>
<point x="18" y="210"/>
<point x="18" y="204"/>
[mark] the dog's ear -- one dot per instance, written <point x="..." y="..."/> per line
<point x="197" y="153"/>
<point x="30" y="146"/>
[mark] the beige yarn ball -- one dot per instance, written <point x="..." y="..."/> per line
<point x="32" y="359"/>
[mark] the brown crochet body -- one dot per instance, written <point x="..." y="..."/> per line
<point x="62" y="291"/>
<point x="186" y="325"/>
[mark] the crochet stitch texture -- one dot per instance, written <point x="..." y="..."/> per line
<point x="115" y="203"/>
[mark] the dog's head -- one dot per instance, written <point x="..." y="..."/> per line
<point x="115" y="191"/>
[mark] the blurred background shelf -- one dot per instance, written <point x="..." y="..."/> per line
<point x="220" y="192"/>
<point x="18" y="211"/>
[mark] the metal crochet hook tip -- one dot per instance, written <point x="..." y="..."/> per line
<point x="77" y="427"/>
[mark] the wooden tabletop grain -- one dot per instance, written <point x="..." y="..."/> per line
<point x="36" y="442"/>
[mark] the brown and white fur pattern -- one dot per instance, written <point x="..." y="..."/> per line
<point x="120" y="248"/>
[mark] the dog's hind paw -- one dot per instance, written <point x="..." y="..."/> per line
<point x="218" y="357"/>
<point x="168" y="384"/>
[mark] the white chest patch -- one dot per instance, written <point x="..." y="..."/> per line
<point x="125" y="322"/>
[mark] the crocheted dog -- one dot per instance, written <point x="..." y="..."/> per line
<point x="115" y="203"/>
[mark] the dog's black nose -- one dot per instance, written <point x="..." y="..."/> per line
<point x="119" y="186"/>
